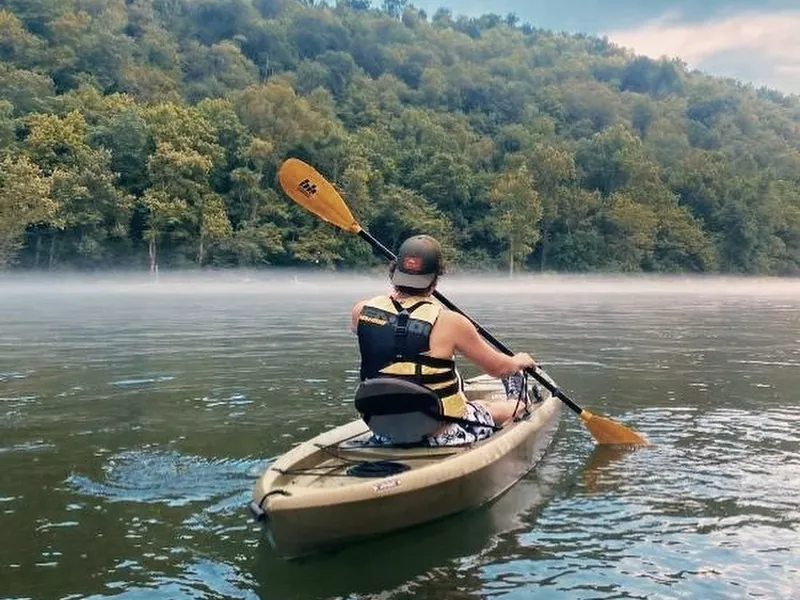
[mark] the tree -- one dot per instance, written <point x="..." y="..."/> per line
<point x="93" y="212"/>
<point x="214" y="20"/>
<point x="25" y="90"/>
<point x="605" y="161"/>
<point x="211" y="72"/>
<point x="37" y="15"/>
<point x="7" y="126"/>
<point x="251" y="246"/>
<point x="630" y="233"/>
<point x="274" y="112"/>
<point x="680" y="243"/>
<point x="648" y="76"/>
<point x="554" y="173"/>
<point x="399" y="213"/>
<point x="181" y="188"/>
<point x="127" y="136"/>
<point x="24" y="200"/>
<point x="394" y="8"/>
<point x="163" y="212"/>
<point x="516" y="211"/>
<point x="17" y="45"/>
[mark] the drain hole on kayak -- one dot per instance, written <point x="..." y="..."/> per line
<point x="378" y="468"/>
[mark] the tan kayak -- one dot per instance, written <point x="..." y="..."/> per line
<point x="335" y="488"/>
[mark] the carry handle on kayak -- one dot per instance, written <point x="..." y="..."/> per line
<point x="308" y="188"/>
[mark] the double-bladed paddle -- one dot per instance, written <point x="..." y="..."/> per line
<point x="306" y="186"/>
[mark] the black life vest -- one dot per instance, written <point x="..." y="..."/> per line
<point x="394" y="339"/>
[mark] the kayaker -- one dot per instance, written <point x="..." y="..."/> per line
<point x="428" y="343"/>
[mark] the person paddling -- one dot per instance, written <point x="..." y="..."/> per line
<point x="407" y="334"/>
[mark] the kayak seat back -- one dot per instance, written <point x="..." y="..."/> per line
<point x="403" y="411"/>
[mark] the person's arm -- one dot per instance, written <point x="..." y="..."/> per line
<point x="354" y="316"/>
<point x="470" y="343"/>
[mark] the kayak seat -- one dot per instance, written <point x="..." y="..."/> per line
<point x="403" y="411"/>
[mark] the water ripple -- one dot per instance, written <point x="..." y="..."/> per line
<point x="139" y="381"/>
<point x="201" y="579"/>
<point x="166" y="477"/>
<point x="12" y="376"/>
<point x="32" y="446"/>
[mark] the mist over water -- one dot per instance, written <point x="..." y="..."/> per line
<point x="576" y="288"/>
<point x="135" y="416"/>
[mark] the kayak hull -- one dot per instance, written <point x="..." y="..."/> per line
<point x="309" y="503"/>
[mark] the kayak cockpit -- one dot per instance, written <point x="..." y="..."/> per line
<point x="357" y="458"/>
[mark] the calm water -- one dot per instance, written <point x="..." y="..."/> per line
<point x="135" y="418"/>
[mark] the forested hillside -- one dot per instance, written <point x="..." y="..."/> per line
<point x="136" y="132"/>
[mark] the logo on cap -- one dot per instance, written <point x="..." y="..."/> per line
<point x="412" y="264"/>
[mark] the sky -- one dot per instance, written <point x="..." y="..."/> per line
<point x="755" y="41"/>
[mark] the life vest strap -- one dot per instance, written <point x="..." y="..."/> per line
<point x="447" y="391"/>
<point x="401" y="326"/>
<point x="432" y="378"/>
<point x="435" y="362"/>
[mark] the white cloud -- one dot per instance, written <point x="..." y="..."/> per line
<point x="773" y="37"/>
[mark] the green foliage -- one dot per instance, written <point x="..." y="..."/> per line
<point x="136" y="132"/>
<point x="25" y="90"/>
<point x="24" y="200"/>
<point x="516" y="211"/>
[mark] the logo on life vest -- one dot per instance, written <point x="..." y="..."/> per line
<point x="412" y="264"/>
<point x="307" y="188"/>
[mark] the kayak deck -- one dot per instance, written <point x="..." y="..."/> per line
<point x="310" y="498"/>
<point x="333" y="472"/>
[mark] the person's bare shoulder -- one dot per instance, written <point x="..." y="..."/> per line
<point x="453" y="318"/>
<point x="455" y="325"/>
<point x="354" y="312"/>
<point x="465" y="337"/>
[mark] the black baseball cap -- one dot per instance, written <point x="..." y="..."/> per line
<point x="418" y="263"/>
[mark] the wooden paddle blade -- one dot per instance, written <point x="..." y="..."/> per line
<point x="606" y="431"/>
<point x="304" y="184"/>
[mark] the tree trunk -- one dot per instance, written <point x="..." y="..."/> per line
<point x="511" y="260"/>
<point x="38" y="252"/>
<point x="52" y="258"/>
<point x="543" y="256"/>
<point x="201" y="250"/>
<point x="254" y="201"/>
<point x="152" y="252"/>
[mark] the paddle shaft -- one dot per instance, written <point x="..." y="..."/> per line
<point x="534" y="372"/>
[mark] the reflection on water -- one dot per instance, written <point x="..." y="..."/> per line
<point x="135" y="418"/>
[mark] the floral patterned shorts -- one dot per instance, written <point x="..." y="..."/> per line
<point x="456" y="434"/>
